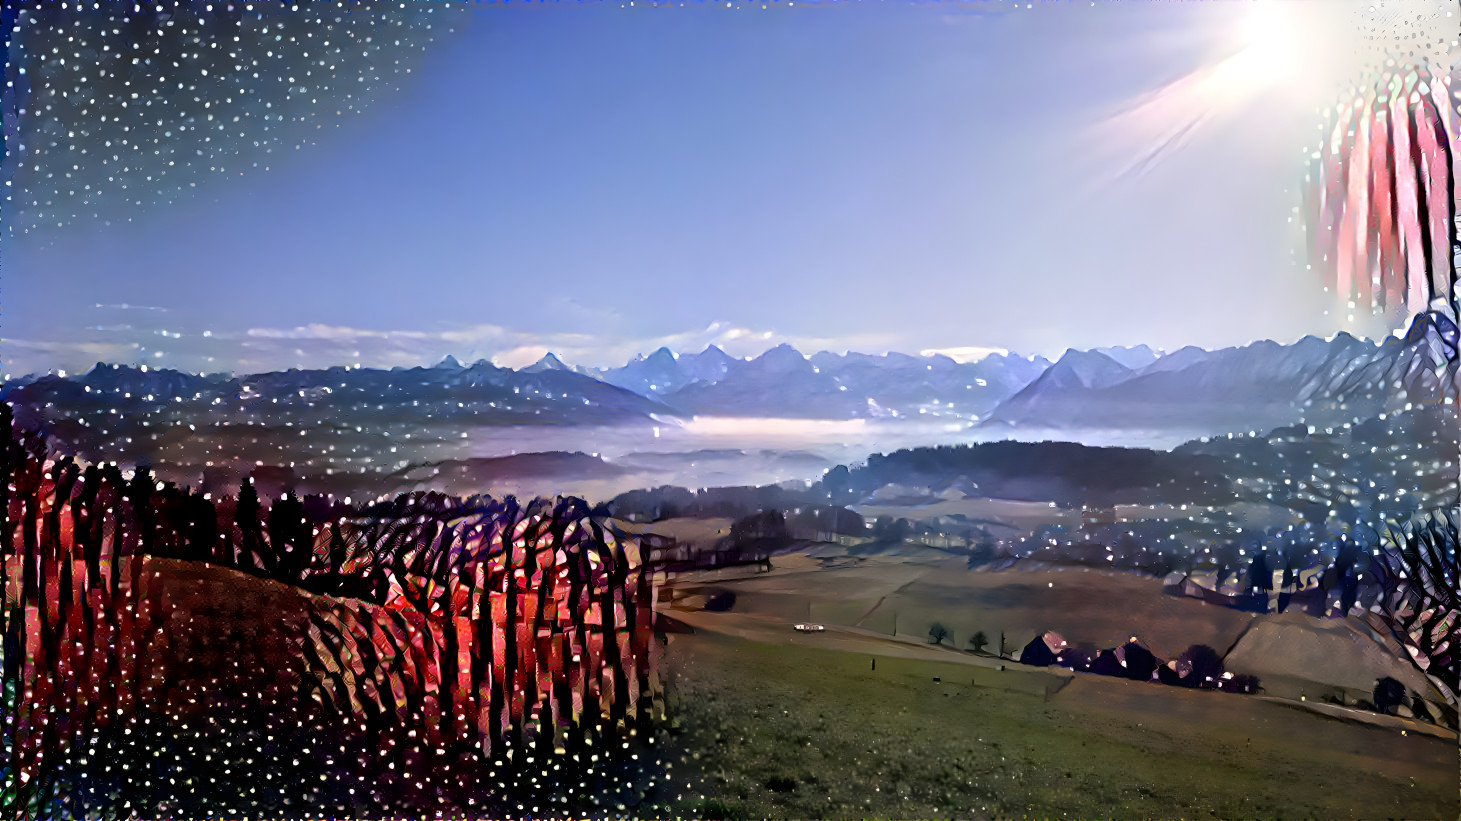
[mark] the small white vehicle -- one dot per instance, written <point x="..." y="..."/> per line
<point x="810" y="628"/>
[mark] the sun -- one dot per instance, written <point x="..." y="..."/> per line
<point x="1273" y="38"/>
<point x="1296" y="53"/>
<point x="1295" y="47"/>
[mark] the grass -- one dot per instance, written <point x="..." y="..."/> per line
<point x="771" y="731"/>
<point x="1101" y="609"/>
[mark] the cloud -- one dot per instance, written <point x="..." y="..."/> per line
<point x="966" y="354"/>
<point x="510" y="348"/>
<point x="520" y="357"/>
<point x="23" y="356"/>
<point x="980" y="11"/>
<point x="331" y="333"/>
<point x="318" y="345"/>
<point x="874" y="343"/>
<point x="123" y="306"/>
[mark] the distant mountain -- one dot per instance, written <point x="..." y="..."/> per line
<point x="784" y="383"/>
<point x="657" y="373"/>
<point x="121" y="393"/>
<point x="332" y="416"/>
<point x="664" y="371"/>
<point x="1081" y="369"/>
<point x="480" y="394"/>
<point x="1133" y="357"/>
<point x="938" y="385"/>
<point x="551" y="362"/>
<point x="1177" y="360"/>
<point x="146" y="381"/>
<point x="710" y="365"/>
<point x="780" y="382"/>
<point x="362" y="419"/>
<point x="1423" y="367"/>
<point x="1255" y="387"/>
<point x="1074" y="374"/>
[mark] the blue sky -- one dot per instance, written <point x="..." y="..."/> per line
<point x="600" y="180"/>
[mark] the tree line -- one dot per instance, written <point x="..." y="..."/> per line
<point x="438" y="633"/>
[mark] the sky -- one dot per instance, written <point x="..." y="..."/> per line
<point x="599" y="180"/>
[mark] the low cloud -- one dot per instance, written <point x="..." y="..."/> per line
<point x="256" y="350"/>
<point x="968" y="353"/>
<point x="520" y="357"/>
<point x="123" y="306"/>
<point x="23" y="356"/>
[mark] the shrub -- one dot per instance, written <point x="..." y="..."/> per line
<point x="1389" y="694"/>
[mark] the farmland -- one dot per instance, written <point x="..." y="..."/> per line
<point x="788" y="728"/>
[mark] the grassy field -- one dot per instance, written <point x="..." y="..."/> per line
<point x="849" y="723"/>
<point x="1292" y="653"/>
<point x="769" y="730"/>
<point x="1101" y="608"/>
<point x="1017" y="515"/>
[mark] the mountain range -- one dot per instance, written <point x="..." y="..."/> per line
<point x="1326" y="383"/>
<point x="1255" y="387"/>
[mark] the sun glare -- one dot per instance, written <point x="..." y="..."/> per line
<point x="1273" y="38"/>
<point x="1296" y="53"/>
<point x="1280" y="44"/>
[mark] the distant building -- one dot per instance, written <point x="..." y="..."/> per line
<point x="1043" y="650"/>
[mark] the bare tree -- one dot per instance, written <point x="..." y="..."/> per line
<point x="937" y="633"/>
<point x="978" y="641"/>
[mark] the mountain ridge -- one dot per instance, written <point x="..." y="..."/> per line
<point x="1262" y="385"/>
